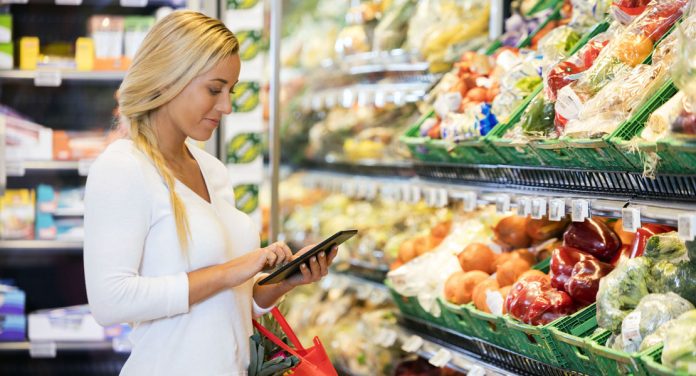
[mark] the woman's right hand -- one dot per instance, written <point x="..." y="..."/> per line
<point x="247" y="266"/>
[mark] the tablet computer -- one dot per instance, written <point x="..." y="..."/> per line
<point x="293" y="267"/>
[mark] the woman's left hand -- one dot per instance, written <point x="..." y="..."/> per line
<point x="314" y="270"/>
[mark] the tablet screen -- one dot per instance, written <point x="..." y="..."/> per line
<point x="293" y="267"/>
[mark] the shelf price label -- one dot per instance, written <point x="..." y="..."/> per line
<point x="631" y="219"/>
<point x="42" y="349"/>
<point x="470" y="202"/>
<point x="557" y="209"/>
<point x="442" y="198"/>
<point x="83" y="166"/>
<point x="441" y="358"/>
<point x="431" y="196"/>
<point x="371" y="191"/>
<point x="538" y="208"/>
<point x="502" y="204"/>
<point x="580" y="210"/>
<point x="14" y="168"/>
<point x="412" y="344"/>
<point x="68" y="2"/>
<point x="47" y="78"/>
<point x="687" y="226"/>
<point x="524" y="206"/>
<point x="133" y="3"/>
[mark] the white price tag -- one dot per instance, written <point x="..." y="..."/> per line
<point x="502" y="204"/>
<point x="348" y="98"/>
<point x="441" y="358"/>
<point x="631" y="219"/>
<point x="380" y="99"/>
<point x="476" y="371"/>
<point x="330" y="100"/>
<point x="524" y="206"/>
<point x="317" y="102"/>
<point x="442" y="198"/>
<point x="494" y="300"/>
<point x="14" y="1"/>
<point x="42" y="349"/>
<point x="412" y="344"/>
<point x="83" y="166"/>
<point x="361" y="189"/>
<point x="406" y="193"/>
<point x="415" y="194"/>
<point x="14" y="168"/>
<point x="580" y="210"/>
<point x="687" y="226"/>
<point x="47" y="78"/>
<point x="68" y="2"/>
<point x="630" y="328"/>
<point x="133" y="3"/>
<point x="538" y="208"/>
<point x="431" y="196"/>
<point x="568" y="103"/>
<point x="470" y="202"/>
<point x="371" y="191"/>
<point x="557" y="209"/>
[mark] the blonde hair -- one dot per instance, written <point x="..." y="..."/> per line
<point x="180" y="47"/>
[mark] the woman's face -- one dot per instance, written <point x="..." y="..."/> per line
<point x="197" y="110"/>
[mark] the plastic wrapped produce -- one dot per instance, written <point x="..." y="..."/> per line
<point x="679" y="352"/>
<point x="657" y="337"/>
<point x="684" y="75"/>
<point x="621" y="291"/>
<point x="390" y="33"/>
<point x="659" y="123"/>
<point x="674" y="277"/>
<point x="536" y="302"/>
<point x="626" y="11"/>
<point x="630" y="47"/>
<point x="666" y="246"/>
<point x="652" y="311"/>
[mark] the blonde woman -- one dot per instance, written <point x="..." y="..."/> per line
<point x="165" y="247"/>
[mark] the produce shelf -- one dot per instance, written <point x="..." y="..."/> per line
<point x="16" y="74"/>
<point x="488" y="356"/>
<point x="31" y="247"/>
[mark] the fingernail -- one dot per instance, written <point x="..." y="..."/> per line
<point x="322" y="255"/>
<point x="303" y="266"/>
<point x="314" y="259"/>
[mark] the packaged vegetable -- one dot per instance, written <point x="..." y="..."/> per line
<point x="584" y="280"/>
<point x="657" y="337"/>
<point x="659" y="123"/>
<point x="390" y="33"/>
<point x="539" y="117"/>
<point x="631" y="46"/>
<point x="536" y="302"/>
<point x="563" y="260"/>
<point x="625" y="11"/>
<point x="663" y="243"/>
<point x="594" y="237"/>
<point x="652" y="311"/>
<point x="678" y="277"/>
<point x="679" y="352"/>
<point x="621" y="291"/>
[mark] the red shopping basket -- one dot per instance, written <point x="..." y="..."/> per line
<point x="313" y="360"/>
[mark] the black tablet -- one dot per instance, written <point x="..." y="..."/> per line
<point x="293" y="267"/>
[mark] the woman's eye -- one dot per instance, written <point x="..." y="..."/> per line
<point x="214" y="92"/>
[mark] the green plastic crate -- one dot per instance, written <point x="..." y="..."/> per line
<point x="489" y="327"/>
<point x="612" y="362"/>
<point x="677" y="156"/>
<point x="514" y="152"/>
<point x="456" y="317"/>
<point x="569" y="335"/>
<point x="494" y="329"/>
<point x="409" y="306"/>
<point x="535" y="342"/>
<point x="419" y="146"/>
<point x="541" y="5"/>
<point x="653" y="364"/>
<point x="475" y="152"/>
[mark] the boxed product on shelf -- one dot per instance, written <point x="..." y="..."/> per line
<point x="135" y="28"/>
<point x="53" y="205"/>
<point x="6" y="55"/>
<point x="107" y="32"/>
<point x="28" y="52"/>
<point x="24" y="139"/>
<point x="12" y="300"/>
<point x="5" y="28"/>
<point x="65" y="324"/>
<point x="17" y="213"/>
<point x="12" y="328"/>
<point x="76" y="145"/>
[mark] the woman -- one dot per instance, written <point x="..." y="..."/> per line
<point x="165" y="247"/>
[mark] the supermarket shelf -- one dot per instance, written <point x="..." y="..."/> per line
<point x="401" y="169"/>
<point x="49" y="349"/>
<point x="29" y="247"/>
<point x="472" y="352"/>
<point x="17" y="74"/>
<point x="22" y="168"/>
<point x="101" y="3"/>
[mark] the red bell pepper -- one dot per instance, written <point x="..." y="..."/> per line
<point x="594" y="237"/>
<point x="659" y="17"/>
<point x="563" y="260"/>
<point x="583" y="284"/>
<point x="623" y="254"/>
<point x="537" y="303"/>
<point x="643" y="234"/>
<point x="557" y="77"/>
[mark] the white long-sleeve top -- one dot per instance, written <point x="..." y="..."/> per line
<point x="135" y="270"/>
